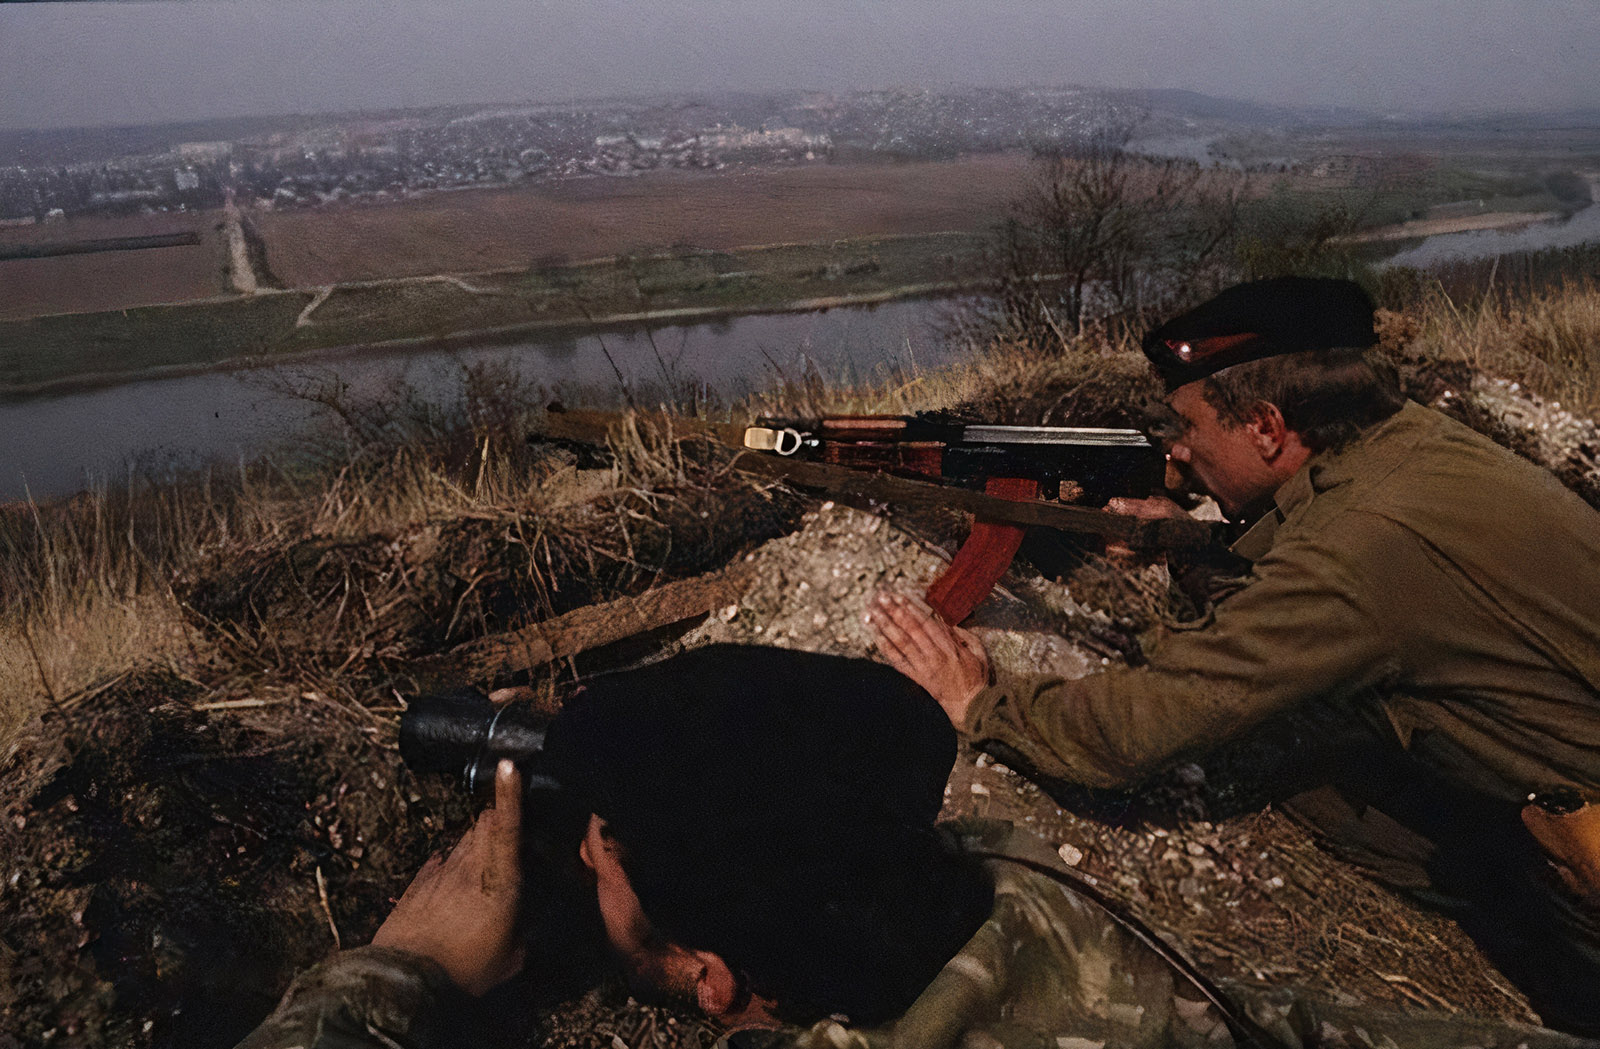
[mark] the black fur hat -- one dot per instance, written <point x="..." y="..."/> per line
<point x="1259" y="319"/>
<point x="777" y="808"/>
<point x="734" y="735"/>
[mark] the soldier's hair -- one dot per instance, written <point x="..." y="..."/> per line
<point x="777" y="808"/>
<point x="1327" y="397"/>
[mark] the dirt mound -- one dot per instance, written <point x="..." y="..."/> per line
<point x="1515" y="418"/>
<point x="164" y="865"/>
<point x="175" y="847"/>
<point x="368" y="601"/>
<point x="1251" y="897"/>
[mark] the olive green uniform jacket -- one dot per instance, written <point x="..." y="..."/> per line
<point x="1442" y="597"/>
<point x="1049" y="970"/>
<point x="1422" y="571"/>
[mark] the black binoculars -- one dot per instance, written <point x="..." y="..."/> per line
<point x="463" y="734"/>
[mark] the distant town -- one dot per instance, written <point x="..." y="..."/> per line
<point x="375" y="158"/>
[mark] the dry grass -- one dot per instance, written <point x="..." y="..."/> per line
<point x="1090" y="379"/>
<point x="84" y="591"/>
<point x="1548" y="340"/>
<point x="87" y="584"/>
<point x="62" y="657"/>
<point x="96" y="585"/>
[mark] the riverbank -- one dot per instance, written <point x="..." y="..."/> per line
<point x="169" y="423"/>
<point x="1418" y="228"/>
<point x="78" y="351"/>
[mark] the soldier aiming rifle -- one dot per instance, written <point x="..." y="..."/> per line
<point x="1430" y="594"/>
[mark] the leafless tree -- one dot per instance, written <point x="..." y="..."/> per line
<point x="1106" y="235"/>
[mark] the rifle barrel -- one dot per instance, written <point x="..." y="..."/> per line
<point x="1076" y="435"/>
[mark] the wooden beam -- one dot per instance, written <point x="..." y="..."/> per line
<point x="592" y="626"/>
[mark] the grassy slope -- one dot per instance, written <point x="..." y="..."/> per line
<point x="310" y="591"/>
<point x="86" y="583"/>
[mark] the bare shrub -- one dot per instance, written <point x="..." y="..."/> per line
<point x="1103" y="232"/>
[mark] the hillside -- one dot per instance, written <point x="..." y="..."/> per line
<point x="201" y="684"/>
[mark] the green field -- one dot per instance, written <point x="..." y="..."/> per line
<point x="53" y="352"/>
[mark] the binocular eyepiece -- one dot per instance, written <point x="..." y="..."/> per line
<point x="463" y="734"/>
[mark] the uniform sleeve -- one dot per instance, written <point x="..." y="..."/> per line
<point x="1302" y="628"/>
<point x="366" y="998"/>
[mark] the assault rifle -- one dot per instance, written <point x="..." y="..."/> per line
<point x="1007" y="477"/>
<point x="1013" y="466"/>
<point x="1094" y="463"/>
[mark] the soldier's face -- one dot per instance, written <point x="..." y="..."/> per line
<point x="667" y="972"/>
<point x="648" y="959"/>
<point x="1223" y="459"/>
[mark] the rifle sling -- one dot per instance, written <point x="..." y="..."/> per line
<point x="851" y="484"/>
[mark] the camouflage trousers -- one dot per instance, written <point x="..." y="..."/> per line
<point x="1049" y="970"/>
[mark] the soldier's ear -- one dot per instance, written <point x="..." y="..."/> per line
<point x="717" y="989"/>
<point x="1267" y="430"/>
<point x="595" y="839"/>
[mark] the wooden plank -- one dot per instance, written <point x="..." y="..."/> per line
<point x="592" y="626"/>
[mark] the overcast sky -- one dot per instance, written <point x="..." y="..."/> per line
<point x="126" y="63"/>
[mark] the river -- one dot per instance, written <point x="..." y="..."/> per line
<point x="1582" y="227"/>
<point x="58" y="444"/>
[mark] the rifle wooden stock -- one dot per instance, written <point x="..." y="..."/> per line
<point x="844" y="482"/>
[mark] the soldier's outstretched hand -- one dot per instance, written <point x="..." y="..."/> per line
<point x="461" y="910"/>
<point x="948" y="662"/>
